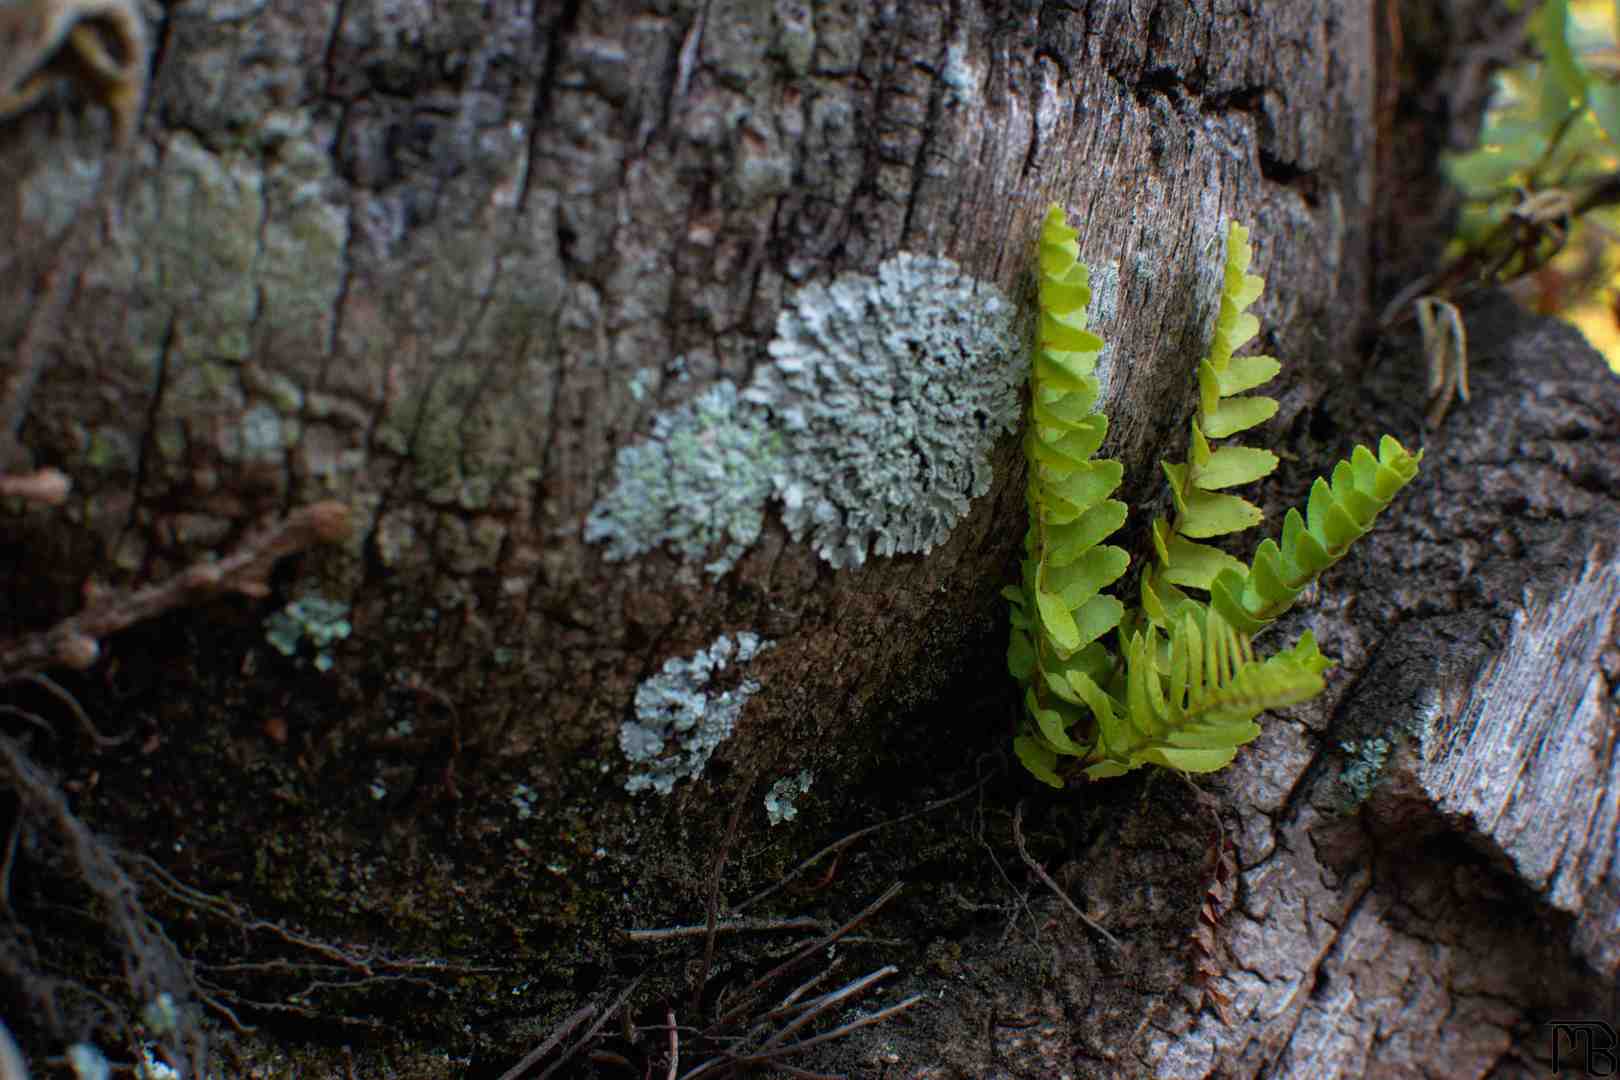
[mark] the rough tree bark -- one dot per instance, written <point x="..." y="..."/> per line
<point x="480" y="274"/>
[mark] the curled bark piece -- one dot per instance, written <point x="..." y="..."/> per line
<point x="100" y="45"/>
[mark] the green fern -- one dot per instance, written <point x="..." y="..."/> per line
<point x="1203" y="509"/>
<point x="1183" y="687"/>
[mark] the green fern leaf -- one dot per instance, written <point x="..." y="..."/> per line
<point x="1078" y="580"/>
<point x="1233" y="465"/>
<point x="1195" y="566"/>
<point x="1020" y="654"/>
<point x="1066" y="543"/>
<point x="1064" y="335"/>
<point x="1237" y="414"/>
<point x="1182" y="760"/>
<point x="1245" y="373"/>
<point x="1185" y="687"/>
<point x="1208" y="513"/>
<point x="1057" y="622"/>
<point x="1038" y="758"/>
<point x="1097" y="616"/>
<point x="1337" y="515"/>
<point x="1054" y="733"/>
<point x="1068" y="496"/>
<point x="1062" y="408"/>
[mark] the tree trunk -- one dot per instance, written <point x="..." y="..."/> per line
<point x="633" y="388"/>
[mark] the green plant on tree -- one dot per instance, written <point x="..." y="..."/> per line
<point x="1172" y="680"/>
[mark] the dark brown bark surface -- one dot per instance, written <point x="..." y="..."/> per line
<point x="422" y="274"/>
<point x="441" y="263"/>
<point x="1426" y="855"/>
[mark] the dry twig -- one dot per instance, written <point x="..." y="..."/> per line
<point x="71" y="704"/>
<point x="75" y="641"/>
<point x="767" y="1049"/>
<point x="1040" y="872"/>
<point x="596" y="1026"/>
<point x="745" y="999"/>
<point x="713" y="904"/>
<point x="859" y="834"/>
<point x="558" y="1034"/>
<point x="674" y="1045"/>
<point x="48" y="487"/>
<point x="757" y="926"/>
<point x="153" y="966"/>
<point x="1445" y="346"/>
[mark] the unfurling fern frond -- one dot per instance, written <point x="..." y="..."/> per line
<point x="1184" y="687"/>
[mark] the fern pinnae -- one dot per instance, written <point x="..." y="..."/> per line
<point x="1060" y="611"/>
<point x="1338" y="513"/>
<point x="1203" y="509"/>
<point x="1184" y="687"/>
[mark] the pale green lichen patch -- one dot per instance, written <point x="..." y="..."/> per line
<point x="399" y="541"/>
<point x="226" y="264"/>
<point x="315" y="619"/>
<point x="641" y="383"/>
<point x="681" y="719"/>
<point x="428" y="429"/>
<point x="891" y="393"/>
<point x="872" y="425"/>
<point x="779" y="801"/>
<point x="199" y="229"/>
<point x="961" y="76"/>
<point x="1367" y="761"/>
<point x="111" y="449"/>
<point x="301" y="269"/>
<point x="698" y="485"/>
<point x="795" y="37"/>
<point x="259" y="437"/>
<point x="1101" y="315"/>
<point x="522" y="800"/>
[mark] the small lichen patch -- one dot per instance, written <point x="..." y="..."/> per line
<point x="642" y="382"/>
<point x="63" y="186"/>
<point x="258" y="438"/>
<point x="960" y="75"/>
<point x="1368" y="758"/>
<point x="320" y="620"/>
<point x="206" y="252"/>
<point x="891" y="393"/>
<point x="699" y="484"/>
<point x="679" y="720"/>
<point x="1100" y="316"/>
<point x="779" y="800"/>
<point x="88" y="1062"/>
<point x="522" y="799"/>
<point x="112" y="450"/>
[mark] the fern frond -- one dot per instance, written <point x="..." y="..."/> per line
<point x="1060" y="611"/>
<point x="1338" y="514"/>
<point x="1190" y="701"/>
<point x="1184" y="687"/>
<point x="1203" y="507"/>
